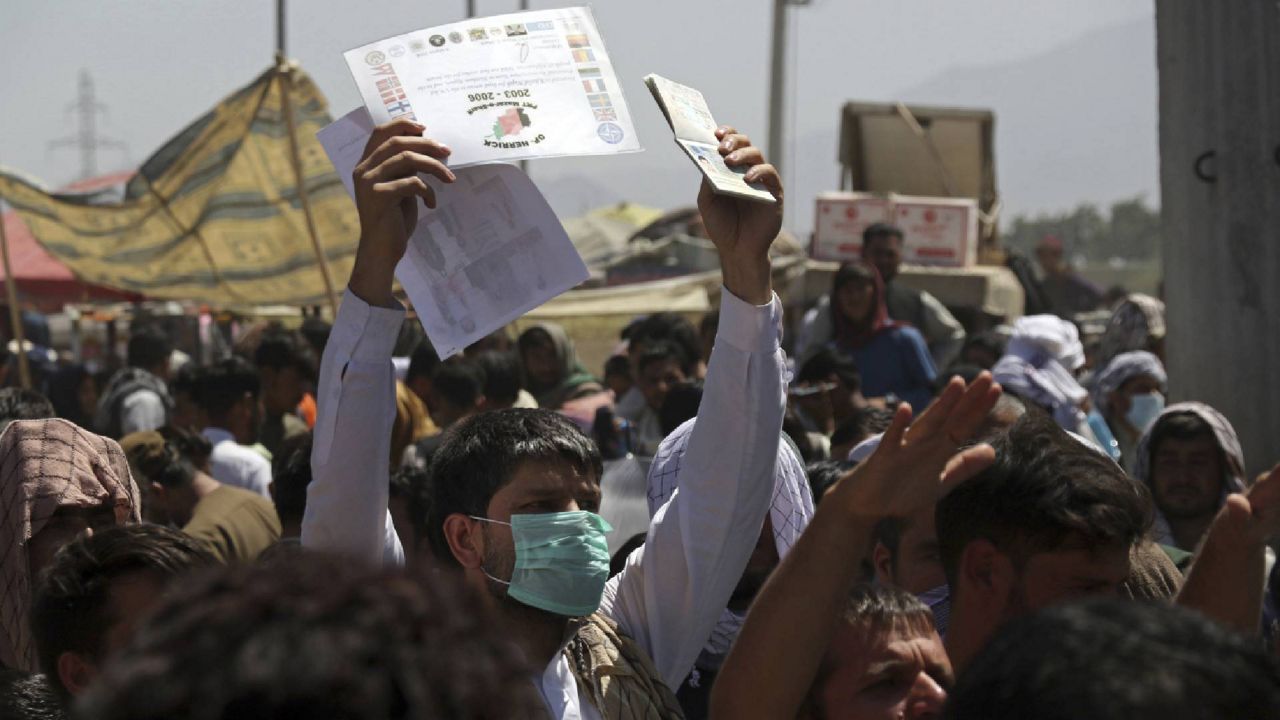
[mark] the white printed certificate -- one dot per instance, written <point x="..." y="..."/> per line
<point x="507" y="87"/>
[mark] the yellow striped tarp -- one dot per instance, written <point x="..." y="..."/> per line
<point x="215" y="215"/>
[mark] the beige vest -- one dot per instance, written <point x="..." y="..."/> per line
<point x="617" y="675"/>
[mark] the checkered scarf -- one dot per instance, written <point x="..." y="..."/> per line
<point x="790" y="512"/>
<point x="46" y="465"/>
<point x="1223" y="432"/>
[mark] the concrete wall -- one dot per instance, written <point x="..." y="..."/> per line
<point x="1219" y="64"/>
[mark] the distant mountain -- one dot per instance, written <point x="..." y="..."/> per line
<point x="1077" y="123"/>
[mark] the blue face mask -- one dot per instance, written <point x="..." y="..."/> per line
<point x="1144" y="410"/>
<point x="562" y="561"/>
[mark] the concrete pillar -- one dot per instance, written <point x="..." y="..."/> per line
<point x="1219" y="66"/>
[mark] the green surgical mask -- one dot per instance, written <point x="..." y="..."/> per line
<point x="562" y="561"/>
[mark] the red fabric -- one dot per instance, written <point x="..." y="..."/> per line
<point x="850" y="336"/>
<point x="43" y="280"/>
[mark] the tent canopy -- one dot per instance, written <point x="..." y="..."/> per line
<point x="215" y="215"/>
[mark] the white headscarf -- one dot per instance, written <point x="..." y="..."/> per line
<point x="1123" y="368"/>
<point x="790" y="512"/>
<point x="1038" y="364"/>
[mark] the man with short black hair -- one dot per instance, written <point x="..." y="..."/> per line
<point x="1110" y="659"/>
<point x="290" y="476"/>
<point x="98" y="588"/>
<point x="515" y="492"/>
<point x="422" y="364"/>
<point x="457" y="392"/>
<point x="316" y="637"/>
<point x="1051" y="519"/>
<point x="22" y="404"/>
<point x="829" y="391"/>
<point x="501" y="378"/>
<point x="228" y="394"/>
<point x="136" y="398"/>
<point x="882" y="247"/>
<point x="660" y="366"/>
<point x="287" y="368"/>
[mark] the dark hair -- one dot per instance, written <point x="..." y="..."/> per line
<point x="879" y="230"/>
<point x="661" y="351"/>
<point x="990" y="341"/>
<point x="1182" y="426"/>
<point x="28" y="697"/>
<point x="64" y="392"/>
<point x="422" y="362"/>
<point x="171" y="460"/>
<point x="149" y="347"/>
<point x="71" y="611"/>
<point x="481" y="453"/>
<point x="825" y="363"/>
<point x="680" y="405"/>
<point x="675" y="329"/>
<point x="21" y="404"/>
<point x="501" y="376"/>
<point x="618" y="562"/>
<point x="410" y="336"/>
<point x="290" y="476"/>
<point x="460" y="382"/>
<point x="279" y="349"/>
<point x="1115" y="659"/>
<point x="1044" y="488"/>
<point x="413" y="483"/>
<point x="864" y="423"/>
<point x="316" y="331"/>
<point x="316" y="637"/>
<point x="617" y="365"/>
<point x="187" y="380"/>
<point x="824" y="473"/>
<point x="225" y="383"/>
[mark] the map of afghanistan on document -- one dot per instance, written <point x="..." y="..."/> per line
<point x="690" y="118"/>
<point x="491" y="252"/>
<point x="507" y="87"/>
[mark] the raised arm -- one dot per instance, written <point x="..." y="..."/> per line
<point x="1228" y="575"/>
<point x="672" y="592"/>
<point x="347" y="499"/>
<point x="776" y="657"/>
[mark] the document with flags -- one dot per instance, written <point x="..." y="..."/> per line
<point x="502" y="88"/>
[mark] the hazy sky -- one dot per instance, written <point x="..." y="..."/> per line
<point x="158" y="64"/>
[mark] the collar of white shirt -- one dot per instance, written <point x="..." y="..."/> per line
<point x="217" y="436"/>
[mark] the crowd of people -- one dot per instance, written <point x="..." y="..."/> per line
<point x="890" y="518"/>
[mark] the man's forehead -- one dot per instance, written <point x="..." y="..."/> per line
<point x="1200" y="443"/>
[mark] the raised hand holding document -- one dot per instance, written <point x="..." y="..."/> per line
<point x="687" y="113"/>
<point x="491" y="252"/>
<point x="501" y="88"/>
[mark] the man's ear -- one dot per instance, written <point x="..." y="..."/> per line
<point x="985" y="573"/>
<point x="466" y="540"/>
<point x="75" y="672"/>
<point x="882" y="561"/>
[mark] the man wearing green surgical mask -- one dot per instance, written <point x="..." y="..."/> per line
<point x="514" y="494"/>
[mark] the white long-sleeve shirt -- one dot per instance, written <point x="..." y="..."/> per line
<point x="673" y="589"/>
<point x="234" y="464"/>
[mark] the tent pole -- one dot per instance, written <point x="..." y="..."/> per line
<point x="284" y="75"/>
<point x="15" y="314"/>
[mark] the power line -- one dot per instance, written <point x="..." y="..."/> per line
<point x="86" y="139"/>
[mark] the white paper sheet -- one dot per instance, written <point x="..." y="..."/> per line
<point x="491" y="252"/>
<point x="507" y="87"/>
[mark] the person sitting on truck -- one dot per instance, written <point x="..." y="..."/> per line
<point x="882" y="247"/>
